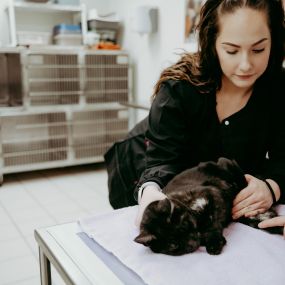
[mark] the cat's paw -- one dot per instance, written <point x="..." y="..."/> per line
<point x="215" y="246"/>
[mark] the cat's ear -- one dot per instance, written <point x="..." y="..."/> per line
<point x="227" y="163"/>
<point x="232" y="167"/>
<point x="164" y="206"/>
<point x="145" y="238"/>
<point x="160" y="206"/>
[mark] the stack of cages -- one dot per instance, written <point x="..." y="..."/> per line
<point x="71" y="108"/>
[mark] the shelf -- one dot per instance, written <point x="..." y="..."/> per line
<point x="42" y="7"/>
<point x="14" y="10"/>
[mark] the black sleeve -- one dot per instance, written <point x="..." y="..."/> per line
<point x="276" y="154"/>
<point x="166" y="135"/>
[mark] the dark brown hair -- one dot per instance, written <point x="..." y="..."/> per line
<point x="202" y="69"/>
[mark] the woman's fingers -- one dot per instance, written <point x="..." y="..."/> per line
<point x="241" y="197"/>
<point x="241" y="205"/>
<point x="276" y="221"/>
<point x="252" y="200"/>
<point x="246" y="209"/>
<point x="248" y="177"/>
<point x="254" y="212"/>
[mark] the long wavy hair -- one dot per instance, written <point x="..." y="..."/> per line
<point x="202" y="68"/>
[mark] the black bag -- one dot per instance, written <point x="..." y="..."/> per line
<point x="125" y="162"/>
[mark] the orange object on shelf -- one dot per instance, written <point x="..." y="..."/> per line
<point x="106" y="45"/>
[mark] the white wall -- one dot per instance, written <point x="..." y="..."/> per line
<point x="149" y="53"/>
<point x="103" y="6"/>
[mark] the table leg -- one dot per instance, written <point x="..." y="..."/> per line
<point x="44" y="268"/>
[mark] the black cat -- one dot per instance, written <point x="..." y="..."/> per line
<point x="196" y="211"/>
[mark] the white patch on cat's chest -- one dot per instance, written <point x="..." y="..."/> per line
<point x="199" y="204"/>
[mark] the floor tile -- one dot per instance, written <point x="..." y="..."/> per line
<point x="15" y="270"/>
<point x="63" y="206"/>
<point x="27" y="214"/>
<point x="71" y="216"/>
<point x="33" y="246"/>
<point x="28" y="227"/>
<point x="4" y="218"/>
<point x="30" y="281"/>
<point x="39" y="199"/>
<point x="13" y="248"/>
<point x="8" y="232"/>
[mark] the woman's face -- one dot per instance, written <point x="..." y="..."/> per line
<point x="243" y="46"/>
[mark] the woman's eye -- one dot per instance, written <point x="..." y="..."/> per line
<point x="258" y="50"/>
<point x="231" y="52"/>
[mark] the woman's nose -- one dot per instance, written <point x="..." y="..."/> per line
<point x="245" y="64"/>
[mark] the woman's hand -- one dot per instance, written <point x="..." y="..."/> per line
<point x="274" y="222"/>
<point x="253" y="199"/>
<point x="150" y="194"/>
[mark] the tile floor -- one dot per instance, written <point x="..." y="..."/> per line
<point x="40" y="199"/>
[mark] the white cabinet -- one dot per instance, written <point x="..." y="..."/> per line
<point x="61" y="107"/>
<point x="38" y="19"/>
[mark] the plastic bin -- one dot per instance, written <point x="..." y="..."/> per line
<point x="34" y="38"/>
<point x="68" y="40"/>
<point x="67" y="29"/>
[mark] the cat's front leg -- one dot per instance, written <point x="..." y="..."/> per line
<point x="214" y="241"/>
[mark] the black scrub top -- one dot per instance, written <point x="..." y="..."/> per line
<point x="184" y="130"/>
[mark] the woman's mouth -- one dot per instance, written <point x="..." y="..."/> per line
<point x="245" y="77"/>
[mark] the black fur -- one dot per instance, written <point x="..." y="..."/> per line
<point x="178" y="225"/>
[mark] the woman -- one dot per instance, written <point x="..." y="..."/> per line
<point x="226" y="100"/>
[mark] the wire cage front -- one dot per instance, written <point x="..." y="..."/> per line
<point x="62" y="79"/>
<point x="71" y="107"/>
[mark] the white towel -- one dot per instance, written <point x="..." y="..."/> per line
<point x="250" y="257"/>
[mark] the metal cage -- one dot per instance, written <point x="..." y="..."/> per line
<point x="70" y="107"/>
